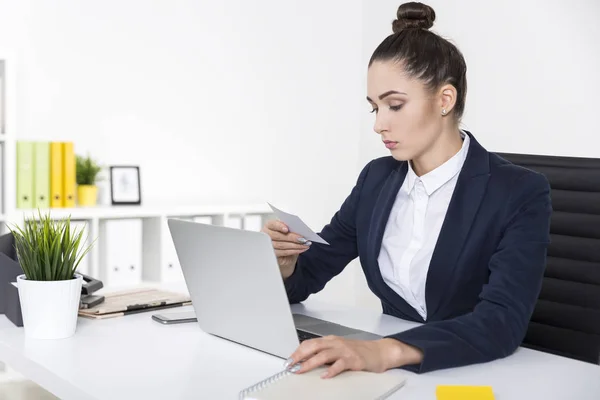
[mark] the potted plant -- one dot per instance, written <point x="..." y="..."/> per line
<point x="86" y="171"/>
<point x="49" y="252"/>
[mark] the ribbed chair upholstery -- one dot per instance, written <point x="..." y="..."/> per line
<point x="566" y="320"/>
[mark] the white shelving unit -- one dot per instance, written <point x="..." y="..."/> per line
<point x="7" y="113"/>
<point x="149" y="256"/>
<point x="158" y="262"/>
<point x="7" y="137"/>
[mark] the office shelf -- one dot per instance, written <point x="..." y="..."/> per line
<point x="159" y="260"/>
<point x="128" y="212"/>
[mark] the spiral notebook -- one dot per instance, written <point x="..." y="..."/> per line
<point x="349" y="385"/>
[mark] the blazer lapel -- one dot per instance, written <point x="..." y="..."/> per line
<point x="465" y="202"/>
<point x="383" y="207"/>
<point x="379" y="219"/>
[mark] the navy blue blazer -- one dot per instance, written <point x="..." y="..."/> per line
<point x="487" y="267"/>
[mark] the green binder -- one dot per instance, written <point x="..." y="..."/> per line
<point x="24" y="174"/>
<point x="41" y="175"/>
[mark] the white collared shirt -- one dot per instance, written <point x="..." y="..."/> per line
<point x="413" y="228"/>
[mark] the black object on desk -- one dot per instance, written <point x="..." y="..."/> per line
<point x="89" y="286"/>
<point x="9" y="270"/>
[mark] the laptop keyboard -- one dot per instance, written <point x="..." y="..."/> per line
<point x="303" y="335"/>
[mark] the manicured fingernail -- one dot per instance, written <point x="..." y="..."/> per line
<point x="287" y="363"/>
<point x="308" y="243"/>
<point x="295" y="368"/>
<point x="302" y="240"/>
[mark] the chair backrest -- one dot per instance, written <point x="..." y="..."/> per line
<point x="566" y="320"/>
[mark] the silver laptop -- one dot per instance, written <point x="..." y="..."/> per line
<point x="237" y="291"/>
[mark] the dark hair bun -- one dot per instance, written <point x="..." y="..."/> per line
<point x="413" y="15"/>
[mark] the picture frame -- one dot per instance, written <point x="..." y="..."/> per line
<point x="125" y="185"/>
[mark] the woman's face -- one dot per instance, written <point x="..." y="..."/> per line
<point x="408" y="116"/>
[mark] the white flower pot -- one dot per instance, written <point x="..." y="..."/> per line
<point x="49" y="308"/>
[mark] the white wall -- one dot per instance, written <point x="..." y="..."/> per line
<point x="532" y="75"/>
<point x="532" y="71"/>
<point x="231" y="101"/>
<point x="264" y="100"/>
<point x="231" y="94"/>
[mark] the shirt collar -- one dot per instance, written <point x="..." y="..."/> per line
<point x="435" y="179"/>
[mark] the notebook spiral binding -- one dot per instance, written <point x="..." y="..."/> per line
<point x="264" y="383"/>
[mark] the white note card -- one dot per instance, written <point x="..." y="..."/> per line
<point x="296" y="225"/>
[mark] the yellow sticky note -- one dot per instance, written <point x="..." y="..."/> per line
<point x="461" y="392"/>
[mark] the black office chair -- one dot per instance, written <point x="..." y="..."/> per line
<point x="566" y="320"/>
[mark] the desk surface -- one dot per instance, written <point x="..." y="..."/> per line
<point x="135" y="357"/>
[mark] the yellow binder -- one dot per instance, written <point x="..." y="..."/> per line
<point x="68" y="174"/>
<point x="56" y="174"/>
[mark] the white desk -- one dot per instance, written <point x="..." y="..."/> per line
<point x="134" y="357"/>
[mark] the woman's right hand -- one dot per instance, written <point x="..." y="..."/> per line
<point x="288" y="246"/>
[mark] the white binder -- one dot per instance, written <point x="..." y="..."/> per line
<point x="203" y="219"/>
<point x="121" y="252"/>
<point x="233" y="221"/>
<point x="170" y="267"/>
<point x="83" y="226"/>
<point x="253" y="223"/>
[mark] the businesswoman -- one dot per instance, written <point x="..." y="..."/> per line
<point x="448" y="234"/>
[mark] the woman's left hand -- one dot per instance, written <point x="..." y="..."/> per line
<point x="357" y="355"/>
